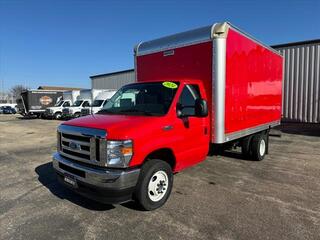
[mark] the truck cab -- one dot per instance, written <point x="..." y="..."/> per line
<point x="74" y="111"/>
<point x="142" y="122"/>
<point x="99" y="101"/>
<point x="56" y="111"/>
<point x="83" y="100"/>
<point x="68" y="98"/>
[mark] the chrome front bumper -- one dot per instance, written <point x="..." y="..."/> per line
<point x="106" y="178"/>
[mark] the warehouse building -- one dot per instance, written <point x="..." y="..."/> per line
<point x="301" y="86"/>
<point x="114" y="80"/>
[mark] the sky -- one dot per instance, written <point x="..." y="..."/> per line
<point x="62" y="43"/>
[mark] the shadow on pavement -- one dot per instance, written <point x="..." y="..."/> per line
<point x="26" y="117"/>
<point x="236" y="155"/>
<point x="306" y="129"/>
<point x="47" y="177"/>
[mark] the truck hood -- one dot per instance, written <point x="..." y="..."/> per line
<point x="119" y="126"/>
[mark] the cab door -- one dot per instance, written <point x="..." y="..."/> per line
<point x="193" y="130"/>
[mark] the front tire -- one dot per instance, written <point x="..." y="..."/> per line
<point x="77" y="115"/>
<point x="57" y="116"/>
<point x="154" y="185"/>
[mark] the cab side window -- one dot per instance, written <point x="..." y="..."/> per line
<point x="66" y="104"/>
<point x="187" y="99"/>
<point x="86" y="104"/>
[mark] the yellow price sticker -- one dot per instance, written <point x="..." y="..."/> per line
<point x="170" y="85"/>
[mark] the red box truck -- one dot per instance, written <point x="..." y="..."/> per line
<point x="210" y="87"/>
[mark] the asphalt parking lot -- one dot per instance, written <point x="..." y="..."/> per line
<point x="225" y="197"/>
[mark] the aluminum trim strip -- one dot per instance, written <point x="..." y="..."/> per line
<point x="194" y="36"/>
<point x="218" y="84"/>
<point x="198" y="35"/>
<point x="249" y="131"/>
<point x="173" y="47"/>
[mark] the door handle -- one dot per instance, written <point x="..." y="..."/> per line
<point x="167" y="128"/>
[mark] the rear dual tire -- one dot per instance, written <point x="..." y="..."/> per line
<point x="259" y="147"/>
<point x="154" y="184"/>
<point x="255" y="147"/>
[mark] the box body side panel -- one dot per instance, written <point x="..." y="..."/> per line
<point x="39" y="101"/>
<point x="186" y="63"/>
<point x="253" y="84"/>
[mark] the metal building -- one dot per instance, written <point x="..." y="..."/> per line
<point x="113" y="80"/>
<point x="301" y="87"/>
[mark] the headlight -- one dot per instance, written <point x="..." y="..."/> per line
<point x="119" y="153"/>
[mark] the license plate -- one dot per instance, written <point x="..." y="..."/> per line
<point x="70" y="181"/>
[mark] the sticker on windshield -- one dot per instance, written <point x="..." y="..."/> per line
<point x="170" y="85"/>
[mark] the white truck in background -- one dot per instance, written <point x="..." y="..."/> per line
<point x="83" y="101"/>
<point x="68" y="98"/>
<point x="100" y="98"/>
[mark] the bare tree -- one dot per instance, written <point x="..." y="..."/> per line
<point x="17" y="90"/>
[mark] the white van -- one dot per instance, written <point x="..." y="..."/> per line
<point x="68" y="98"/>
<point x="100" y="97"/>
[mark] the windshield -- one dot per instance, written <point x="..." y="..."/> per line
<point x="77" y="103"/>
<point x="97" y="103"/>
<point x="152" y="99"/>
<point x="58" y="104"/>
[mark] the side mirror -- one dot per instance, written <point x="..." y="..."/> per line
<point x="201" y="108"/>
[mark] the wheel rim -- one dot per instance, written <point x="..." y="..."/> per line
<point x="58" y="116"/>
<point x="262" y="148"/>
<point x="158" y="186"/>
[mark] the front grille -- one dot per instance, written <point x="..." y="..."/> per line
<point x="65" y="111"/>
<point x="82" y="144"/>
<point x="85" y="111"/>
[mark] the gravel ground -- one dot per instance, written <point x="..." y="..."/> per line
<point x="225" y="197"/>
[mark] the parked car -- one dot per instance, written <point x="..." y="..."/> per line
<point x="210" y="88"/>
<point x="8" y="110"/>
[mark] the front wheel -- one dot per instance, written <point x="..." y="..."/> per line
<point x="154" y="185"/>
<point x="77" y="115"/>
<point x="57" y="115"/>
